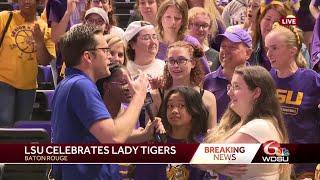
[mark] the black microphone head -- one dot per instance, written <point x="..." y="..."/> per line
<point x="148" y="99"/>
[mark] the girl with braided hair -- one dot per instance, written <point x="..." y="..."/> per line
<point x="266" y="17"/>
<point x="297" y="88"/>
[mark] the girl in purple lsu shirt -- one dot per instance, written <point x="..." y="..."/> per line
<point x="185" y="119"/>
<point x="298" y="89"/>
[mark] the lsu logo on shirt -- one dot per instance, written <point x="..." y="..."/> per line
<point x="290" y="101"/>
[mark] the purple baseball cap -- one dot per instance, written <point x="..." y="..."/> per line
<point x="236" y="34"/>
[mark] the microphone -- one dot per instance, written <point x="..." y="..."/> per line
<point x="159" y="138"/>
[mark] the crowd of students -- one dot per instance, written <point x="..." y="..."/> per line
<point x="217" y="71"/>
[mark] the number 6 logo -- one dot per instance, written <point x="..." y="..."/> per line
<point x="271" y="147"/>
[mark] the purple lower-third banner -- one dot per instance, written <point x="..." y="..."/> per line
<point x="269" y="152"/>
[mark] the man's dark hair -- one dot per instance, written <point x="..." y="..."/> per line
<point x="76" y="41"/>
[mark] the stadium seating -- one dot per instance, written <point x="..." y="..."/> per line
<point x="42" y="105"/>
<point x="34" y="124"/>
<point x="5" y="5"/>
<point x="123" y="9"/>
<point x="24" y="171"/>
<point x="45" y="78"/>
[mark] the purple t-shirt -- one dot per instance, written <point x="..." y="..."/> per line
<point x="163" y="48"/>
<point x="55" y="10"/>
<point x="216" y="83"/>
<point x="299" y="96"/>
<point x="315" y="49"/>
<point x="159" y="171"/>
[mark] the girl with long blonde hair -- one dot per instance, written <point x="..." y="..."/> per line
<point x="297" y="88"/>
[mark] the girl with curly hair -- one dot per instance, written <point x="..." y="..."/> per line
<point x="183" y="68"/>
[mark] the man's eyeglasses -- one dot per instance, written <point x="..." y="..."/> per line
<point x="147" y="37"/>
<point x="97" y="22"/>
<point x="198" y="25"/>
<point x="178" y="61"/>
<point x="105" y="50"/>
<point x="102" y="1"/>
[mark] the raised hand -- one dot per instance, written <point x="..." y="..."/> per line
<point x="139" y="86"/>
<point x="156" y="83"/>
<point x="154" y="126"/>
<point x="71" y="5"/>
<point x="38" y="35"/>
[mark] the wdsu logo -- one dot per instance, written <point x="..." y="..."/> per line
<point x="275" y="153"/>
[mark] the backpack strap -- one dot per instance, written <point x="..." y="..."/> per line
<point x="6" y="27"/>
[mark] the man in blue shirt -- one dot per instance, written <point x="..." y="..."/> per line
<point x="79" y="114"/>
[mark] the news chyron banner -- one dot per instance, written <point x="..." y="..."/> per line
<point x="269" y="152"/>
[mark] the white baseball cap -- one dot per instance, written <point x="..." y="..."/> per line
<point x="134" y="28"/>
<point x="99" y="11"/>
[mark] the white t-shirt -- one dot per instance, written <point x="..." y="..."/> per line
<point x="154" y="69"/>
<point x="262" y="130"/>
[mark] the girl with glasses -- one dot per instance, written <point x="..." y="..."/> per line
<point x="183" y="68"/>
<point x="202" y="26"/>
<point x="142" y="47"/>
<point x="253" y="116"/>
<point x="213" y="9"/>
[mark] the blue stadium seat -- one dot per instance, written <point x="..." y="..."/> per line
<point x="34" y="124"/>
